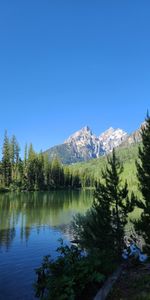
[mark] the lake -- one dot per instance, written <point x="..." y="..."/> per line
<point x="30" y="226"/>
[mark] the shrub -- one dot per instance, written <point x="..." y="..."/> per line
<point x="70" y="277"/>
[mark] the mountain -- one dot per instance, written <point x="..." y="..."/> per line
<point x="83" y="145"/>
<point x="80" y="146"/>
<point x="134" y="137"/>
<point x="112" y="138"/>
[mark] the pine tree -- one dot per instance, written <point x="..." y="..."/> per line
<point x="1" y="174"/>
<point x="76" y="182"/>
<point x="25" y="168"/>
<point x="6" y="162"/>
<point x="56" y="172"/>
<point x="117" y="194"/>
<point x="25" y="155"/>
<point x="47" y="171"/>
<point x="143" y="173"/>
<point x="40" y="171"/>
<point x="103" y="226"/>
<point x="67" y="177"/>
<point x="94" y="230"/>
<point x="31" y="172"/>
<point x="14" y="158"/>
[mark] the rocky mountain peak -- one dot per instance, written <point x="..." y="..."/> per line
<point x="84" y="145"/>
<point x="112" y="138"/>
<point x="86" y="128"/>
<point x="134" y="137"/>
<point x="111" y="133"/>
<point x="87" y="144"/>
<point x="107" y="133"/>
<point x="79" y="135"/>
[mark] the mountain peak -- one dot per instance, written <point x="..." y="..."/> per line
<point x="109" y="131"/>
<point x="83" y="133"/>
<point x="86" y="128"/>
<point x="112" y="138"/>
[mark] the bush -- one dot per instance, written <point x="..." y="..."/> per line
<point x="72" y="276"/>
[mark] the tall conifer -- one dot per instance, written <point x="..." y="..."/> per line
<point x="143" y="173"/>
<point x="103" y="226"/>
<point x="6" y="163"/>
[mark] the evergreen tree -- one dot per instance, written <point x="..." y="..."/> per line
<point x="31" y="168"/>
<point x="67" y="177"/>
<point x="6" y="162"/>
<point x="76" y="182"/>
<point x="14" y="158"/>
<point x="40" y="172"/>
<point x="143" y="173"/>
<point x="25" y="155"/>
<point x="47" y="171"/>
<point x="94" y="230"/>
<point x="20" y="176"/>
<point x="56" y="172"/>
<point x="25" y="168"/>
<point x="1" y="174"/>
<point x="103" y="226"/>
<point x="116" y="193"/>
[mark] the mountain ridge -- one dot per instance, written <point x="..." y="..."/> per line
<point x="83" y="145"/>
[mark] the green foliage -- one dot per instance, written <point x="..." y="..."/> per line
<point x="69" y="277"/>
<point x="102" y="228"/>
<point x="6" y="162"/>
<point x="143" y="169"/>
<point x="117" y="195"/>
<point x="34" y="172"/>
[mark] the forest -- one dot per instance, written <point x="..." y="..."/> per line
<point x="34" y="171"/>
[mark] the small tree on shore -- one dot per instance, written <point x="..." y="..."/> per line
<point x="102" y="227"/>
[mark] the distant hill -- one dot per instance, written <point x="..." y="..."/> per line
<point x="83" y="145"/>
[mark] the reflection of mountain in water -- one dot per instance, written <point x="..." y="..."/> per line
<point x="23" y="211"/>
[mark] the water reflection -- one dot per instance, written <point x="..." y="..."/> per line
<point x="21" y="212"/>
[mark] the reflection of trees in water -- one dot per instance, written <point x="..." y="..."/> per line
<point x="8" y="220"/>
<point x="36" y="209"/>
<point x="6" y="236"/>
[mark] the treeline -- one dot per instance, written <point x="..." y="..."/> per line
<point x="34" y="171"/>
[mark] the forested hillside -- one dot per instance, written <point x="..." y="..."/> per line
<point x="94" y="167"/>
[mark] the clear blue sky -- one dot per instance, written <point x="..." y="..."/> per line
<point x="65" y="64"/>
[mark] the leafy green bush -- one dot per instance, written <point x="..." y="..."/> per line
<point x="73" y="275"/>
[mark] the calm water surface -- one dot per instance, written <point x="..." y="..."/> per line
<point x="30" y="226"/>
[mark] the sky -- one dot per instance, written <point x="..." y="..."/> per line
<point x="67" y="64"/>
